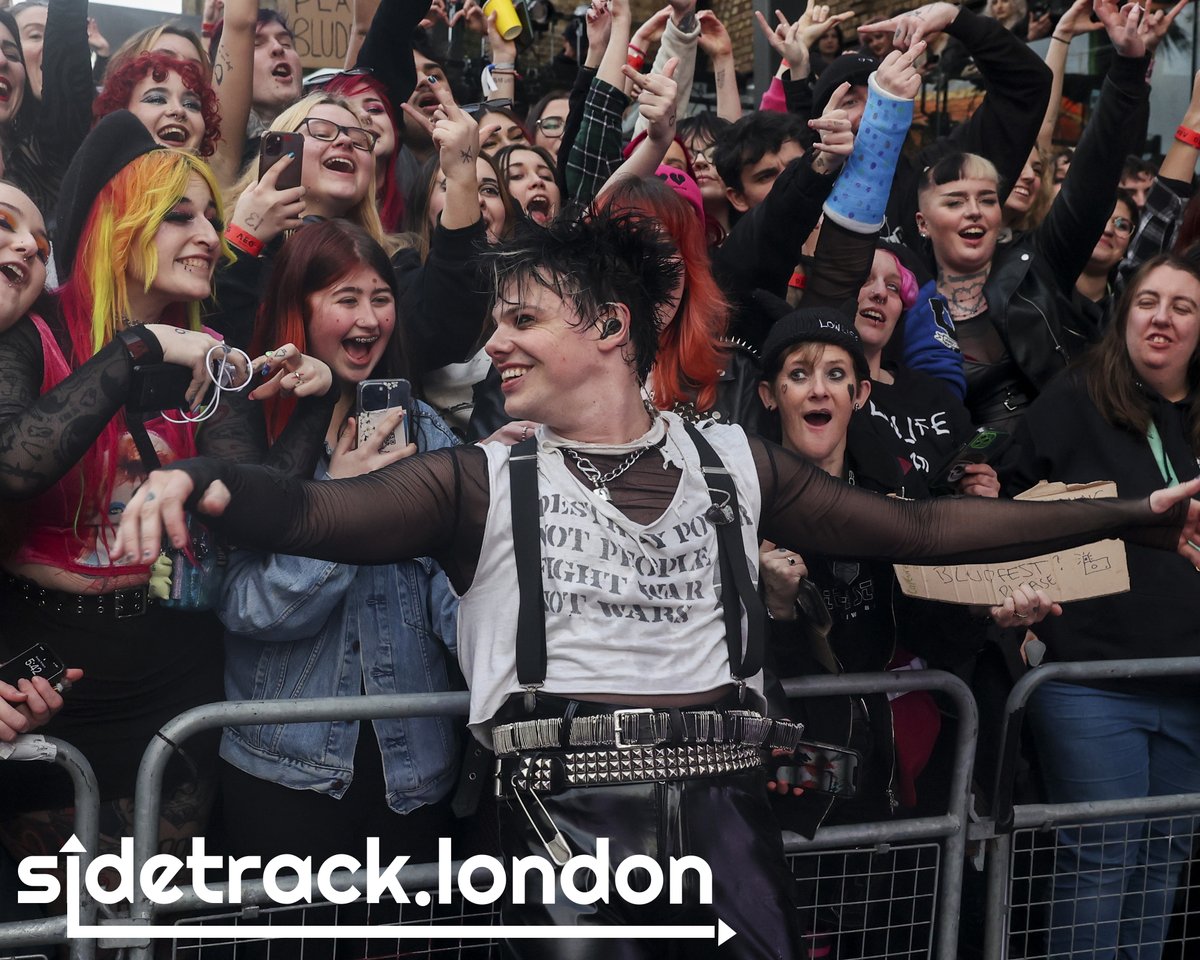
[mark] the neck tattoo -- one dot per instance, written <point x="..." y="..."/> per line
<point x="964" y="293"/>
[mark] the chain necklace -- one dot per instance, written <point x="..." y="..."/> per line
<point x="601" y="481"/>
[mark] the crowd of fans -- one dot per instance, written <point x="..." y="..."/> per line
<point x="817" y="271"/>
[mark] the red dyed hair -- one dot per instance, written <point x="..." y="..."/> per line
<point x="690" y="355"/>
<point x="119" y="84"/>
<point x="391" y="199"/>
<point x="311" y="260"/>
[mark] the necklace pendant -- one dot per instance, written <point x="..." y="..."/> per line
<point x="603" y="494"/>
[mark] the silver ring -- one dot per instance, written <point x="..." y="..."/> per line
<point x="525" y="432"/>
<point x="1021" y="616"/>
<point x="299" y="375"/>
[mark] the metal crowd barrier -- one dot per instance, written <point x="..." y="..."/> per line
<point x="918" y="861"/>
<point x="897" y="884"/>
<point x="1024" y="841"/>
<point x="53" y="930"/>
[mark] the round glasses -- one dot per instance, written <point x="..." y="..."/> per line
<point x="320" y="129"/>
<point x="552" y="126"/>
<point x="1122" y="225"/>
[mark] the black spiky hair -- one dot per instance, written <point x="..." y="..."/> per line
<point x="603" y="257"/>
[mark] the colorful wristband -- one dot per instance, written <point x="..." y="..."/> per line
<point x="1055" y="36"/>
<point x="246" y="242"/>
<point x="1189" y="136"/>
<point x="636" y="60"/>
<point x="638" y="50"/>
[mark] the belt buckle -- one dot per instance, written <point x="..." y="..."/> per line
<point x="1010" y="403"/>
<point x="131" y="602"/>
<point x="617" y="714"/>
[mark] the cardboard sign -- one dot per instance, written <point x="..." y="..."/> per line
<point x="322" y="30"/>
<point x="1092" y="570"/>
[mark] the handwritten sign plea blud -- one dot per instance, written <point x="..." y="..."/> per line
<point x="1092" y="570"/>
<point x="322" y="30"/>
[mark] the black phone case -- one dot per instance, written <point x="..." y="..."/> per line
<point x="38" y="661"/>
<point x="275" y="146"/>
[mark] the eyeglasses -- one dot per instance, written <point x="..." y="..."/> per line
<point x="477" y="110"/>
<point x="320" y="129"/>
<point x="1122" y="225"/>
<point x="704" y="156"/>
<point x="552" y="126"/>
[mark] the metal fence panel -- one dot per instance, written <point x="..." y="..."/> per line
<point x="1058" y="874"/>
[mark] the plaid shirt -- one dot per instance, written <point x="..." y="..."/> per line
<point x="1158" y="226"/>
<point x="596" y="153"/>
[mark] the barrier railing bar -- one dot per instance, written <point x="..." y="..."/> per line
<point x="1018" y="699"/>
<point x="87" y="829"/>
<point x="954" y="850"/>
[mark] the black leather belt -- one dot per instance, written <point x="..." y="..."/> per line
<point x="121" y="604"/>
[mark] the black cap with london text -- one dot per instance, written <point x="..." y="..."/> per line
<point x="813" y="325"/>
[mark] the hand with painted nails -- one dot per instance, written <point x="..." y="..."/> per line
<point x="158" y="507"/>
<point x="291" y="372"/>
<point x="191" y="349"/>
<point x="265" y="211"/>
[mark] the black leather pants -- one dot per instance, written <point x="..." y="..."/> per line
<point x="724" y="820"/>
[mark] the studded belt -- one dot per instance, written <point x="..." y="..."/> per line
<point x="551" y="772"/>
<point x="645" y="727"/>
<point x="120" y="604"/>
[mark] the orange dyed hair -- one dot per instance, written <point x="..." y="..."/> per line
<point x="690" y="354"/>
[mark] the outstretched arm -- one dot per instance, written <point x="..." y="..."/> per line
<point x="811" y="512"/>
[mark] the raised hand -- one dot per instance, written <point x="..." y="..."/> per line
<point x="1126" y="26"/>
<point x="898" y="74"/>
<point x="656" y="94"/>
<point x="835" y="133"/>
<point x="919" y="24"/>
<point x="1077" y="20"/>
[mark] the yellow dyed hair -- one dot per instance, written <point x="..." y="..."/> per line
<point x="117" y="243"/>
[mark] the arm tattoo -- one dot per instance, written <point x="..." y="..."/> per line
<point x="466" y="156"/>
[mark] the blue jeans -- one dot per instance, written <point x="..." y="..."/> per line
<point x="1114" y="883"/>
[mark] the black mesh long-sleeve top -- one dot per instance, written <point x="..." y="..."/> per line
<point x="436" y="504"/>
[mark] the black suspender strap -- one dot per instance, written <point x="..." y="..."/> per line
<point x="724" y="515"/>
<point x="526" y="526"/>
<point x="736" y="582"/>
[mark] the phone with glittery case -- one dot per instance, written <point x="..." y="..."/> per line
<point x="376" y="399"/>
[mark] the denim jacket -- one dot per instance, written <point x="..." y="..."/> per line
<point x="297" y="627"/>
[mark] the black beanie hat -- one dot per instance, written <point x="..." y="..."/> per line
<point x="855" y="67"/>
<point x="813" y="325"/>
<point x="114" y="143"/>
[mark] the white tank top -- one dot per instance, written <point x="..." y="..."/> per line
<point x="630" y="609"/>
